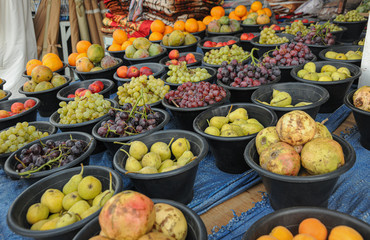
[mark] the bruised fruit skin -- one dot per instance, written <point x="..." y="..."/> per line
<point x="322" y="131"/>
<point x="281" y="158"/>
<point x="322" y="155"/>
<point x="296" y="128"/>
<point x="361" y="98"/>
<point x="265" y="138"/>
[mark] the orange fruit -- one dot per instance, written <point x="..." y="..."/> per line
<point x="53" y="62"/>
<point x="155" y="36"/>
<point x="48" y="55"/>
<point x="217" y="12"/>
<point x="31" y="67"/>
<point x="82" y="46"/>
<point x="313" y="227"/>
<point x="201" y="26"/>
<point x="167" y="29"/>
<point x="240" y="11"/>
<point x="72" y="59"/>
<point x="208" y="19"/>
<point x="256" y="5"/>
<point x="81" y="55"/>
<point x="260" y="12"/>
<point x="303" y="236"/>
<point x="267" y="11"/>
<point x="179" y="25"/>
<point x="281" y="233"/>
<point x="126" y="44"/>
<point x="114" y="47"/>
<point x="157" y="26"/>
<point x="342" y="232"/>
<point x="191" y="25"/>
<point x="33" y="61"/>
<point x="267" y="237"/>
<point x="119" y="36"/>
<point x="232" y="15"/>
<point x="245" y="17"/>
<point x="131" y="39"/>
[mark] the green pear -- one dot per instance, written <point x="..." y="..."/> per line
<point x="253" y="120"/>
<point x="336" y="76"/>
<point x="281" y="99"/>
<point x="311" y="76"/>
<point x="328" y="68"/>
<point x="228" y="133"/>
<point x="354" y="56"/>
<point x="349" y="53"/>
<point x="89" y="187"/>
<point x="300" y="104"/>
<point x="89" y="211"/>
<point x="162" y="149"/>
<point x="72" y="184"/>
<point x="211" y="130"/>
<point x="49" y="224"/>
<point x="38" y="225"/>
<point x="240" y="113"/>
<point x="240" y="121"/>
<point x="148" y="170"/>
<point x="170" y="168"/>
<point x="341" y="56"/>
<point x="132" y="164"/>
<point x="179" y="147"/>
<point x="103" y="197"/>
<point x="70" y="199"/>
<point x="138" y="149"/>
<point x="185" y="158"/>
<point x="54" y="215"/>
<point x="218" y="121"/>
<point x="226" y="127"/>
<point x="302" y="72"/>
<point x="53" y="199"/>
<point x="79" y="207"/>
<point x="166" y="163"/>
<point x="37" y="212"/>
<point x="310" y="67"/>
<point x="275" y="93"/>
<point x="322" y="131"/>
<point x="251" y="128"/>
<point x="151" y="159"/>
<point x="237" y="129"/>
<point x="345" y="71"/>
<point x="325" y="79"/>
<point x="330" y="54"/>
<point x="66" y="219"/>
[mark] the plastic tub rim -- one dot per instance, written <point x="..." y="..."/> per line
<point x="241" y="89"/>
<point x="210" y="70"/>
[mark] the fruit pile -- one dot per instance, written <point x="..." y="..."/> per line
<point x="17" y="108"/>
<point x="158" y="159"/>
<point x="95" y="87"/>
<point x="152" y="89"/>
<point x="312" y="229"/>
<point x="178" y="38"/>
<point x="83" y="109"/>
<point x="318" y="35"/>
<point x="297" y="140"/>
<point x="192" y="95"/>
<point x="304" y="20"/>
<point x="249" y="75"/>
<point x="129" y="120"/>
<point x="49" y="155"/>
<point x="223" y="25"/>
<point x="16" y="137"/>
<point x="142" y="48"/>
<point x="291" y="54"/>
<point x="152" y="221"/>
<point x="295" y="27"/>
<point x="241" y="12"/>
<point x="361" y="98"/>
<point x="79" y="198"/>
<point x="247" y="36"/>
<point x="350" y="16"/>
<point x="174" y="55"/>
<point x="50" y="60"/>
<point x="120" y="41"/>
<point x="218" y="44"/>
<point x="133" y="71"/>
<point x="42" y="78"/>
<point x="255" y="18"/>
<point x="327" y="73"/>
<point x="268" y="36"/>
<point x="2" y="94"/>
<point x="274" y="27"/>
<point x="283" y="99"/>
<point x="349" y="55"/>
<point x="217" y="56"/>
<point x="181" y="74"/>
<point x="235" y="124"/>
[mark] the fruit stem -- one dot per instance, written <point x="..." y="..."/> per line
<point x="110" y="182"/>
<point x="255" y="61"/>
<point x="324" y="121"/>
<point x="231" y="107"/>
<point x="123" y="150"/>
<point x="128" y="144"/>
<point x="208" y="122"/>
<point x="169" y="144"/>
<point x="16" y="158"/>
<point x="175" y="103"/>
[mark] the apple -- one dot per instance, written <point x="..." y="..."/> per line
<point x="122" y="72"/>
<point x="191" y="60"/>
<point x="100" y="84"/>
<point x="189" y="56"/>
<point x="231" y="42"/>
<point x="207" y="44"/>
<point x="174" y="54"/>
<point x="78" y="91"/>
<point x="244" y="36"/>
<point x="133" y="72"/>
<point x="84" y="92"/>
<point x="146" y="71"/>
<point x="214" y="44"/>
<point x="71" y="95"/>
<point x="174" y="62"/>
<point x="182" y="58"/>
<point x="305" y="21"/>
<point x="219" y="44"/>
<point x="17" y="107"/>
<point x="4" y="114"/>
<point x="29" y="103"/>
<point x="94" y="88"/>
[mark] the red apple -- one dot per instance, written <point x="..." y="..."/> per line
<point x="174" y="54"/>
<point x="122" y="72"/>
<point x="94" y="88"/>
<point x="207" y="44"/>
<point x="191" y="60"/>
<point x="133" y="72"/>
<point x="29" y="103"/>
<point x="78" y="91"/>
<point x="4" y="114"/>
<point x="100" y="84"/>
<point x="84" y="92"/>
<point x="146" y="71"/>
<point x="277" y="28"/>
<point x="219" y="44"/>
<point x="304" y="21"/>
<point x="182" y="58"/>
<point x="174" y="62"/>
<point x="214" y="44"/>
<point x="17" y="107"/>
<point x="231" y="42"/>
<point x="189" y="56"/>
<point x="71" y="96"/>
<point x="244" y="36"/>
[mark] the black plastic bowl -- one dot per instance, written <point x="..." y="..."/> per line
<point x="253" y="27"/>
<point x="211" y="79"/>
<point x="246" y="44"/>
<point x="105" y="73"/>
<point x="228" y="151"/>
<point x="11" y="162"/>
<point x="198" y="57"/>
<point x="39" y="125"/>
<point x="292" y="217"/>
<point x="362" y="119"/>
<point x="341" y="49"/>
<point x="85" y="127"/>
<point x="196" y="227"/>
<point x="175" y="185"/>
<point x="118" y="54"/>
<point x="185" y="48"/>
<point x="185" y="116"/>
<point x="336" y="89"/>
<point x="200" y="34"/>
<point x="16" y="217"/>
<point x="353" y="32"/>
<point x="217" y="34"/>
<point x="2" y="83"/>
<point x="217" y="39"/>
<point x="64" y="92"/>
<point x="291" y="191"/>
<point x="60" y="71"/>
<point x="113" y="147"/>
<point x="242" y="94"/>
<point x="338" y="34"/>
<point x="25" y="116"/>
<point x="300" y="92"/>
<point x="267" y="47"/>
<point x="156" y="68"/>
<point x="153" y="59"/>
<point x="7" y="96"/>
<point x="48" y="98"/>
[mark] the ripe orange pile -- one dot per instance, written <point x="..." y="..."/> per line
<point x="241" y="12"/>
<point x="159" y="29"/>
<point x="51" y="60"/>
<point x="313" y="229"/>
<point x="120" y="41"/>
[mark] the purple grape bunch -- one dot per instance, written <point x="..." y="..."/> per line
<point x="319" y="35"/>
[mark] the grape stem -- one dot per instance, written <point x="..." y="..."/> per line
<point x="175" y="103"/>
<point x="255" y="61"/>
<point x="16" y="158"/>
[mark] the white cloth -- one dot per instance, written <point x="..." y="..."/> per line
<point x="17" y="41"/>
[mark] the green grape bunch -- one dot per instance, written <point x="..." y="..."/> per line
<point x="269" y="37"/>
<point x="350" y="16"/>
<point x="296" y="27"/>
<point x="180" y="74"/>
<point x="217" y="56"/>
